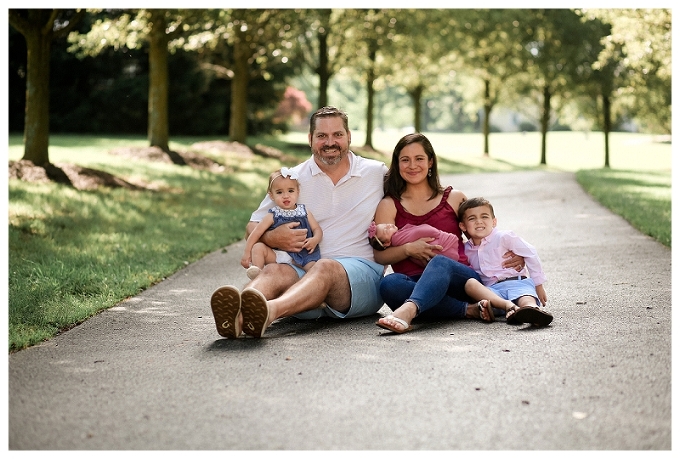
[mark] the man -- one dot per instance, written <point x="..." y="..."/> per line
<point x="342" y="190"/>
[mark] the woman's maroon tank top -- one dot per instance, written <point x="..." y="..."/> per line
<point x="442" y="217"/>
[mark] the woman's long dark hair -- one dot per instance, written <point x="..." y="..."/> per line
<point x="394" y="184"/>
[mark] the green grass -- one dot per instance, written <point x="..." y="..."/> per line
<point x="74" y="253"/>
<point x="642" y="198"/>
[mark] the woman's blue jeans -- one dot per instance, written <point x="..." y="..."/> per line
<point x="439" y="292"/>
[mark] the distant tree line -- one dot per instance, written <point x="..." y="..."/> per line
<point x="224" y="72"/>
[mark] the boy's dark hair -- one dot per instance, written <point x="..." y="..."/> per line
<point x="471" y="204"/>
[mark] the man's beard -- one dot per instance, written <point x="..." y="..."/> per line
<point x="333" y="160"/>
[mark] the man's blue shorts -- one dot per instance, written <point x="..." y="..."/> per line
<point x="364" y="280"/>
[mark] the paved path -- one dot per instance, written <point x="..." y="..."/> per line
<point x="152" y="373"/>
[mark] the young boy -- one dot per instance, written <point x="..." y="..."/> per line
<point x="485" y="248"/>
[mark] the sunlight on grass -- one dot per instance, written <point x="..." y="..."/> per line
<point x="73" y="253"/>
<point x="642" y="198"/>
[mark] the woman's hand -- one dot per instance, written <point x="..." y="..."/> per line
<point x="513" y="261"/>
<point x="421" y="251"/>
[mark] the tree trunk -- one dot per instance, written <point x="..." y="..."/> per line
<point x="323" y="71"/>
<point x="545" y="121"/>
<point x="158" y="131"/>
<point x="37" y="116"/>
<point x="607" y="126"/>
<point x="238" y="122"/>
<point x="417" y="97"/>
<point x="370" y="79"/>
<point x="39" y="27"/>
<point x="487" y="115"/>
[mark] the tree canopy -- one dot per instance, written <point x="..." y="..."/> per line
<point x="588" y="62"/>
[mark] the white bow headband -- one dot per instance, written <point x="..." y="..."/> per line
<point x="286" y="173"/>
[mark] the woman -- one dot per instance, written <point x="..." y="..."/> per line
<point x="424" y="283"/>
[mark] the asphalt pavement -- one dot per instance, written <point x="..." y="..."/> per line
<point x="152" y="373"/>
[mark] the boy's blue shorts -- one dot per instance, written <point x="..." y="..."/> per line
<point x="513" y="289"/>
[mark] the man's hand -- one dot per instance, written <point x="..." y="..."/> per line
<point x="286" y="237"/>
<point x="513" y="261"/>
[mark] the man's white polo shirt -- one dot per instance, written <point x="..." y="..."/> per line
<point x="344" y="210"/>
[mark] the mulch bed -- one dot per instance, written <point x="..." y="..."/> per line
<point x="181" y="158"/>
<point x="83" y="178"/>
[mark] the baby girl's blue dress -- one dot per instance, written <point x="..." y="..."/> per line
<point x="299" y="214"/>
